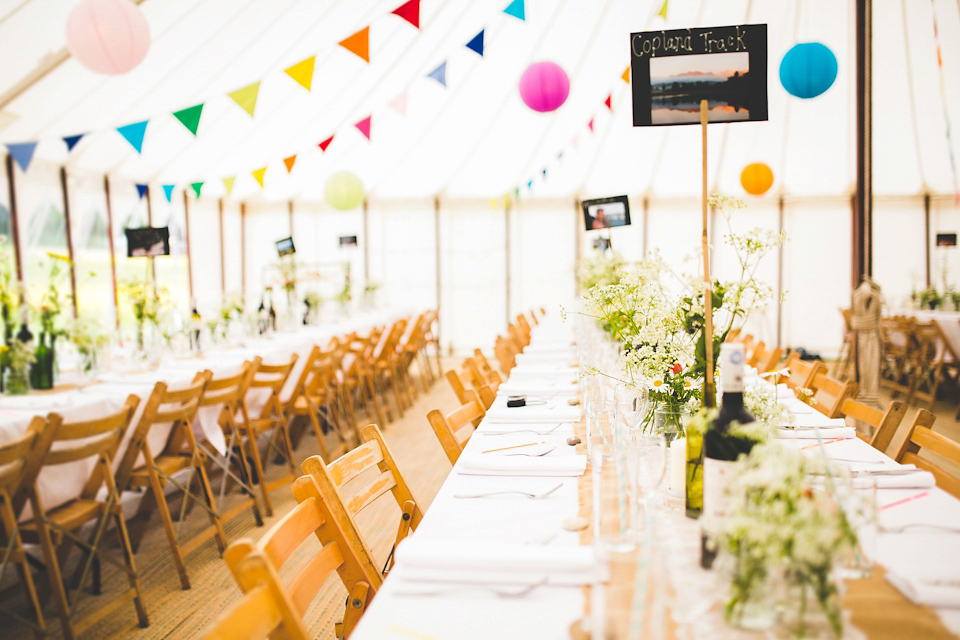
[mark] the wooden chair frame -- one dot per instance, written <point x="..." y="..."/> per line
<point x="313" y="397"/>
<point x="830" y="393"/>
<point x="884" y="423"/>
<point x="922" y="437"/>
<point x="448" y="427"/>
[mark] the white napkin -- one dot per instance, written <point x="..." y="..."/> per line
<point x="816" y="419"/>
<point x="556" y="410"/>
<point x="541" y="388"/>
<point x="479" y="464"/>
<point x="946" y="595"/>
<point x="827" y="433"/>
<point x="918" y="480"/>
<point x="437" y="560"/>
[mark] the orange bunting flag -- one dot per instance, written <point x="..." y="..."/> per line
<point x="364" y="126"/>
<point x="228" y="183"/>
<point x="358" y="43"/>
<point x="302" y="72"/>
<point x="247" y="97"/>
<point x="626" y="75"/>
<point x="608" y="102"/>
<point x="289" y="162"/>
<point x="258" y="175"/>
<point x="326" y="143"/>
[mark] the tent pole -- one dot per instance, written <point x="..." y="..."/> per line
<point x="66" y="225"/>
<point x="506" y="257"/>
<point x="646" y="224"/>
<point x="436" y="246"/>
<point x="14" y="226"/>
<point x="366" y="246"/>
<point x="290" y="215"/>
<point x="578" y="242"/>
<point x="153" y="263"/>
<point x="223" y="262"/>
<point x="243" y="248"/>
<point x="926" y="235"/>
<point x="113" y="254"/>
<point x="186" y="218"/>
<point x="863" y="218"/>
<point x="780" y="211"/>
<point x="709" y="399"/>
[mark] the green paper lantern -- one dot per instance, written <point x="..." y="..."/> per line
<point x="344" y="191"/>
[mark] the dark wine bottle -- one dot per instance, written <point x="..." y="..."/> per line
<point x="721" y="448"/>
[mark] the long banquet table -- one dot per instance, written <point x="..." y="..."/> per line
<point x="110" y="390"/>
<point x="503" y="566"/>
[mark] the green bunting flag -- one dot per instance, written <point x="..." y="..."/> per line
<point x="190" y="117"/>
<point x="196" y="186"/>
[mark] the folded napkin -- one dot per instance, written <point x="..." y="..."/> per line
<point x="547" y="358"/>
<point x="826" y="433"/>
<point x="556" y="410"/>
<point x="435" y="560"/>
<point x="917" y="480"/>
<point x="528" y="369"/>
<point x="943" y="594"/>
<point x="543" y="390"/>
<point x="478" y="464"/>
<point x="816" y="419"/>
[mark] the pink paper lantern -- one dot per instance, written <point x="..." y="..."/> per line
<point x="108" y="36"/>
<point x="544" y="86"/>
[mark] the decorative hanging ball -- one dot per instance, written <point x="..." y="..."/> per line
<point x="544" y="86"/>
<point x="108" y="36"/>
<point x="808" y="69"/>
<point x="344" y="191"/>
<point x="756" y="178"/>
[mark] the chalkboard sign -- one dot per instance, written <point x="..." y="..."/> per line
<point x="603" y="213"/>
<point x="285" y="247"/>
<point x="148" y="241"/>
<point x="946" y="239"/>
<point x="348" y="241"/>
<point x="672" y="71"/>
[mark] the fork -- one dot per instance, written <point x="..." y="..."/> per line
<point x="532" y="496"/>
<point x="531" y="455"/>
<point x="500" y="591"/>
<point x="534" y="431"/>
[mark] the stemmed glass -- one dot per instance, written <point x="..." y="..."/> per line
<point x="649" y="450"/>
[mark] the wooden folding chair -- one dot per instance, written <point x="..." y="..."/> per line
<point x="480" y="378"/>
<point x="431" y="336"/>
<point x="830" y="393"/>
<point x="524" y="328"/>
<point x="58" y="529"/>
<point x="314" y="398"/>
<point x="450" y="428"/>
<point x="922" y="438"/>
<point x="341" y="549"/>
<point x="763" y="359"/>
<point x="20" y="461"/>
<point x="506" y="354"/>
<point x="141" y="468"/>
<point x="485" y="393"/>
<point x="927" y="356"/>
<point x="802" y="372"/>
<point x="271" y="420"/>
<point x="895" y="333"/>
<point x="385" y="364"/>
<point x="517" y="336"/>
<point x="358" y="377"/>
<point x="884" y="423"/>
<point x="363" y="475"/>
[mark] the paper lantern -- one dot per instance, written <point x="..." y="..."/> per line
<point x="108" y="36"/>
<point x="544" y="86"/>
<point x="343" y="191"/>
<point x="808" y="69"/>
<point x="756" y="178"/>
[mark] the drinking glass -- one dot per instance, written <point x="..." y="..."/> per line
<point x="649" y="450"/>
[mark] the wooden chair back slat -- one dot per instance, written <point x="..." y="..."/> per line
<point x="102" y="434"/>
<point x="355" y="462"/>
<point x="884" y="423"/>
<point x="802" y="372"/>
<point x="923" y="439"/>
<point x="450" y="430"/>
<point x="371" y="491"/>
<point x="830" y="393"/>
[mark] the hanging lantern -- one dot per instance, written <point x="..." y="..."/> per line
<point x="808" y="69"/>
<point x="108" y="36"/>
<point x="756" y="178"/>
<point x="343" y="191"/>
<point x="544" y="86"/>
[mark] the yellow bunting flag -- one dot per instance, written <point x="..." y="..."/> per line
<point x="289" y="162"/>
<point x="258" y="175"/>
<point x="358" y="43"/>
<point x="626" y="75"/>
<point x="663" y="10"/>
<point x="302" y="72"/>
<point x="247" y="97"/>
<point x="228" y="183"/>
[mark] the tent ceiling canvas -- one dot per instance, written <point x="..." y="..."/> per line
<point x="475" y="138"/>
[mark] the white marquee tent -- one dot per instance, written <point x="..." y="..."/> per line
<point x="472" y="198"/>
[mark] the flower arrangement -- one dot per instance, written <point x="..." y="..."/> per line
<point x="20" y="358"/>
<point x="600" y="270"/>
<point x="149" y="302"/>
<point x="232" y="309"/>
<point x="287" y="267"/>
<point x="762" y="404"/>
<point x="50" y="305"/>
<point x="88" y="338"/>
<point x="780" y="527"/>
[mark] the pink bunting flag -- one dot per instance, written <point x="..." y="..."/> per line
<point x="590" y="124"/>
<point x="399" y="104"/>
<point x="364" y="126"/>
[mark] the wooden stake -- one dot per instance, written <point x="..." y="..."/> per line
<point x="709" y="395"/>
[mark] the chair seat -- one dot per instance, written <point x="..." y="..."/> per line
<point x="168" y="465"/>
<point x="69" y="516"/>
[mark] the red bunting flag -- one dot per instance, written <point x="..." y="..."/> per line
<point x="364" y="126"/>
<point x="289" y="162"/>
<point x="358" y="43"/>
<point x="608" y="102"/>
<point x="326" y="143"/>
<point x="409" y="11"/>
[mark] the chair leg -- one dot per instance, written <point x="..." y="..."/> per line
<point x="157" y="489"/>
<point x="251" y="439"/>
<point x="371" y="388"/>
<point x="19" y="559"/>
<point x="133" y="577"/>
<point x="212" y="513"/>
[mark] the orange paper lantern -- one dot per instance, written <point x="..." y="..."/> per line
<point x="756" y="178"/>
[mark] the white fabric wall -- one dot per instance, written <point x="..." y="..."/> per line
<point x="543" y="237"/>
<point x="944" y="218"/>
<point x="402" y="250"/>
<point x="232" y="246"/>
<point x="204" y="221"/>
<point x="899" y="261"/>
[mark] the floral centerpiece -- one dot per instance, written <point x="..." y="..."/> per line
<point x="287" y="267"/>
<point x="88" y="338"/>
<point x="149" y="302"/>
<point x="232" y="309"/>
<point x="20" y="356"/>
<point x="600" y="270"/>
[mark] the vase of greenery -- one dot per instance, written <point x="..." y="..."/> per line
<point x="17" y="375"/>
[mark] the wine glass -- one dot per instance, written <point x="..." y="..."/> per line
<point x="632" y="405"/>
<point x="649" y="451"/>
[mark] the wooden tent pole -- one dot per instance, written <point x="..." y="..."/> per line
<point x="69" y="233"/>
<point x="709" y="397"/>
<point x="113" y="253"/>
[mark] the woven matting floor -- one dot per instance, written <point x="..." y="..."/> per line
<point x="177" y="613"/>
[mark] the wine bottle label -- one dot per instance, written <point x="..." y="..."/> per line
<point x="716" y="478"/>
<point x="731" y="367"/>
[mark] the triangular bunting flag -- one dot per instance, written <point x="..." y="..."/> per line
<point x="476" y="44"/>
<point x="440" y="73"/>
<point x="529" y="184"/>
<point x="626" y="75"/>
<point x="22" y="153"/>
<point x="72" y="141"/>
<point x="590" y="124"/>
<point x="399" y="104"/>
<point x="409" y="11"/>
<point x="326" y="143"/>
<point x="544" y="172"/>
<point x="358" y="43"/>
<point x="516" y="193"/>
<point x="364" y="126"/>
<point x="247" y="97"/>
<point x="560" y="156"/>
<point x="663" y="10"/>
<point x="228" y="184"/>
<point x="133" y="133"/>
<point x="575" y="142"/>
<point x="142" y="190"/>
<point x="515" y="9"/>
<point x="609" y="101"/>
<point x="302" y="72"/>
<point x="289" y="162"/>
<point x="196" y="186"/>
<point x="258" y="175"/>
<point x="168" y="191"/>
<point x="190" y="117"/>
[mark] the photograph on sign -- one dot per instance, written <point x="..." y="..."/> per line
<point x="946" y="239"/>
<point x="348" y="241"/>
<point x="148" y="241"/>
<point x="603" y="213"/>
<point x="601" y="244"/>
<point x="673" y="71"/>
<point x="285" y="247"/>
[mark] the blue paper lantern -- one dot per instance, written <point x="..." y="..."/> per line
<point x="808" y="69"/>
